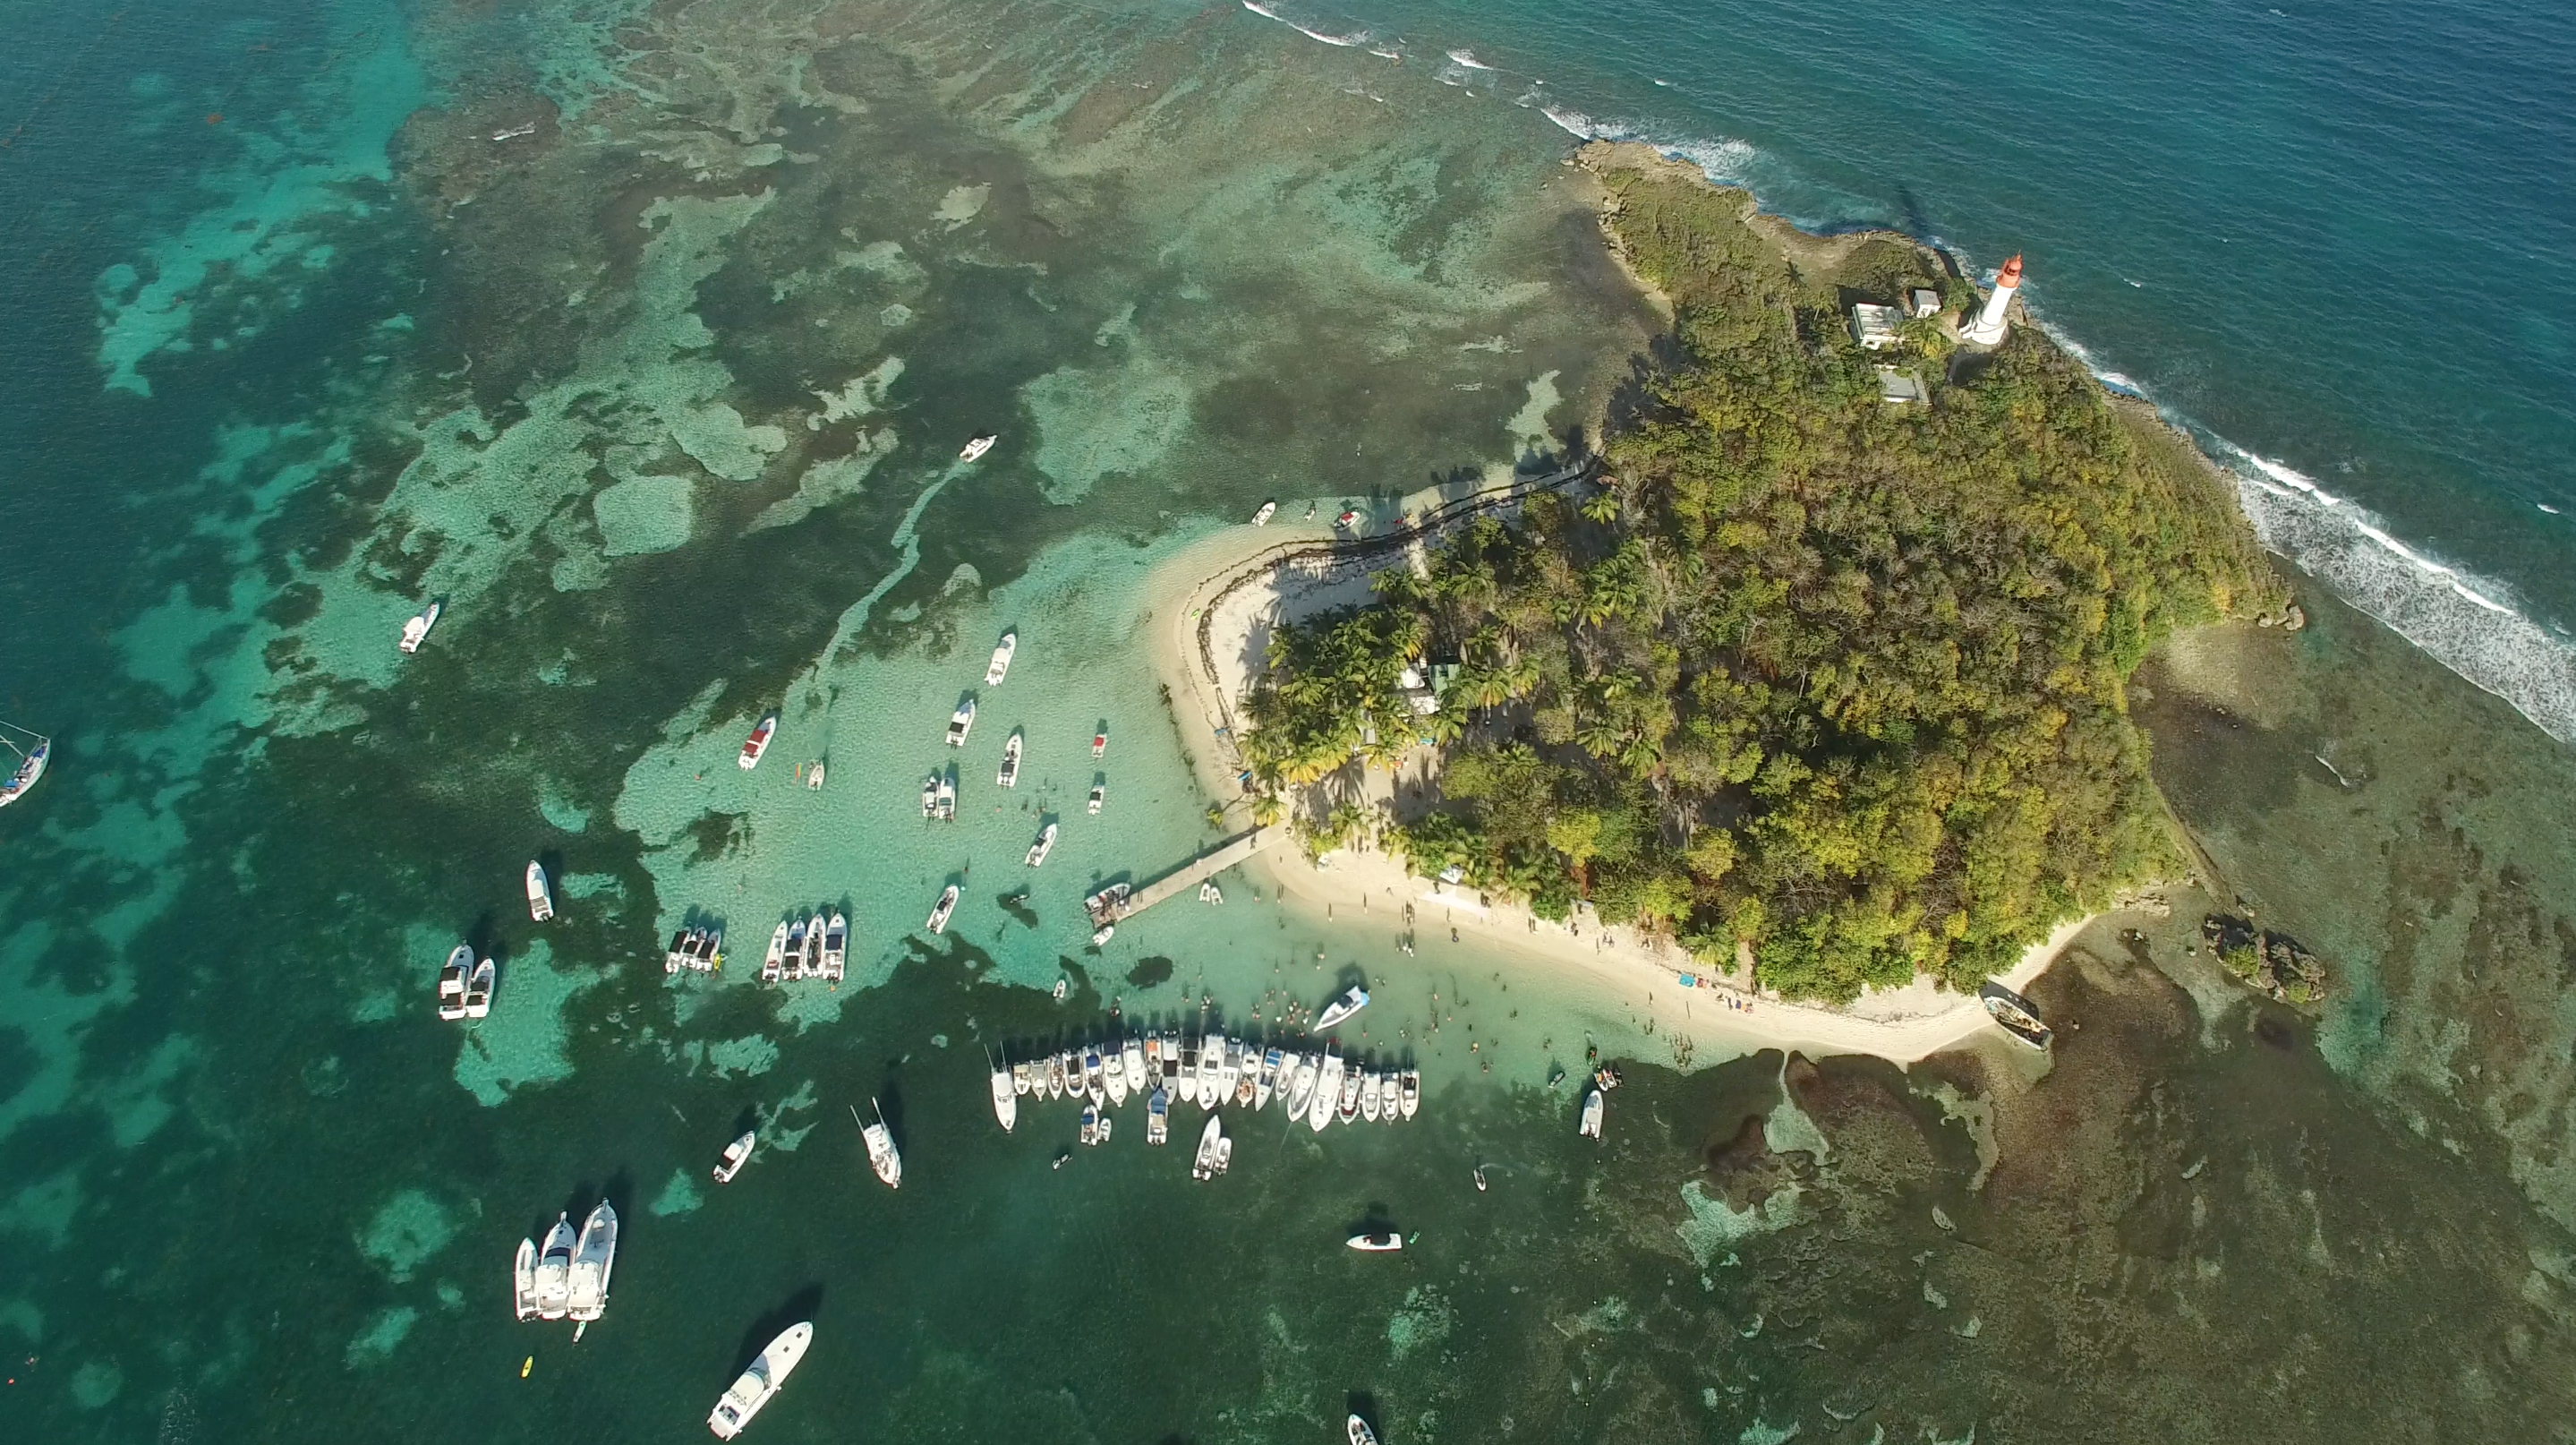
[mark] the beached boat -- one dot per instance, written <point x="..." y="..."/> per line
<point x="1411" y="1098"/>
<point x="976" y="448"/>
<point x="1594" y="1105"/>
<point x="1158" y="1116"/>
<point x="1000" y="666"/>
<point x="2016" y="1014"/>
<point x="773" y="965"/>
<point x="1205" y="1166"/>
<point x="541" y="899"/>
<point x="32" y="757"/>
<point x="960" y="723"/>
<point x="1368" y="1096"/>
<point x="1349" y="520"/>
<point x="930" y="796"/>
<point x="478" y="990"/>
<point x="1045" y="844"/>
<point x="1349" y="1112"/>
<point x="1328" y="1092"/>
<point x="1377" y="1241"/>
<point x="1268" y="1083"/>
<point x="883" y="1157"/>
<point x="946" y="906"/>
<point x="593" y="1260"/>
<point x="756" y="746"/>
<point x="736" y="1155"/>
<point x="1099" y="795"/>
<point x="1100" y="742"/>
<point x="1301" y="1088"/>
<point x="745" y="1396"/>
<point x="1009" y="777"/>
<point x="451" y="983"/>
<point x="418" y="627"/>
<point x="554" y="1269"/>
<point x="1353" y="999"/>
<point x="1262" y="517"/>
<point x="836" y="947"/>
<point x="523" y="1280"/>
<point x="1359" y="1431"/>
<point x="1006" y="1099"/>
<point x="946" y="801"/>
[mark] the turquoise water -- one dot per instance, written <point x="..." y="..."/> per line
<point x="661" y="398"/>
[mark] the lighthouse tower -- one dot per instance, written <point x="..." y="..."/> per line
<point x="1988" y="328"/>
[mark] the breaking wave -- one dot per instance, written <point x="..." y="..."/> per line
<point x="1355" y="38"/>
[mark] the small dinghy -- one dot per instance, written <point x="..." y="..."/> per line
<point x="736" y="1155"/>
<point x="451" y="983"/>
<point x="757" y="745"/>
<point x="883" y="1157"/>
<point x="1208" y="892"/>
<point x="1595" y="1103"/>
<point x="541" y="899"/>
<point x="960" y="723"/>
<point x="1349" y="520"/>
<point x="1045" y="844"/>
<point x="523" y="1280"/>
<point x="744" y="1397"/>
<point x="947" y="905"/>
<point x="1262" y="517"/>
<point x="418" y="628"/>
<point x="1352" y="1001"/>
<point x="1009" y="777"/>
<point x="478" y="990"/>
<point x="1000" y="666"/>
<point x="1378" y="1241"/>
<point x="976" y="448"/>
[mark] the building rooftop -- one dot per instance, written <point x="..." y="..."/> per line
<point x="1923" y="302"/>
<point x="1897" y="388"/>
<point x="1874" y="327"/>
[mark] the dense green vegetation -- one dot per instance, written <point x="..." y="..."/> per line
<point x="1837" y="679"/>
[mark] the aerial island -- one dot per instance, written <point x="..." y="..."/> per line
<point x="1812" y="669"/>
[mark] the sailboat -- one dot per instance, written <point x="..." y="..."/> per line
<point x="1000" y="666"/>
<point x="883" y="1157"/>
<point x="31" y="762"/>
<point x="541" y="899"/>
<point x="1010" y="774"/>
<point x="592" y="1261"/>
<point x="744" y="1397"/>
<point x="418" y="628"/>
<point x="736" y="1155"/>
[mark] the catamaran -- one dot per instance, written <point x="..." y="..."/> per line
<point x="1000" y="666"/>
<point x="1045" y="844"/>
<point x="758" y="743"/>
<point x="451" y="982"/>
<point x="1006" y="1100"/>
<point x="1589" y="1126"/>
<point x="478" y="990"/>
<point x="746" y="1395"/>
<point x="1352" y="1001"/>
<point x="523" y="1280"/>
<point x="592" y="1260"/>
<point x="541" y="899"/>
<point x="977" y="448"/>
<point x="736" y="1155"/>
<point x="31" y="762"/>
<point x="836" y="948"/>
<point x="1010" y="775"/>
<point x="1268" y="510"/>
<point x="947" y="905"/>
<point x="882" y="1155"/>
<point x="418" y="628"/>
<point x="960" y="722"/>
<point x="554" y="1269"/>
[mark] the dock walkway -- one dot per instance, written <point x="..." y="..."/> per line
<point x="1198" y="870"/>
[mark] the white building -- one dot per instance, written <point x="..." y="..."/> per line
<point x="1900" y="388"/>
<point x="1921" y="302"/>
<point x="1874" y="327"/>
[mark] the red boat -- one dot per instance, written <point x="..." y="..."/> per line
<point x="1099" y="742"/>
<point x="758" y="742"/>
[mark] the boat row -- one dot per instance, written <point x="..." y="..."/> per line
<point x="700" y="950"/>
<point x="807" y="948"/>
<point x="1211" y="1072"/>
<point x="465" y="985"/>
<point x="568" y="1277"/>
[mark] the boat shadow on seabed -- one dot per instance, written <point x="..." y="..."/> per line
<point x="805" y="1304"/>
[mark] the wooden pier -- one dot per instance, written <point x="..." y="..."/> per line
<point x="1190" y="875"/>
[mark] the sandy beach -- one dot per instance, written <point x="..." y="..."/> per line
<point x="1212" y="609"/>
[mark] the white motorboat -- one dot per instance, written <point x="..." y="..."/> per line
<point x="883" y="1157"/>
<point x="773" y="965"/>
<point x="1349" y="520"/>
<point x="418" y="628"/>
<point x="736" y="1155"/>
<point x="1045" y="844"/>
<point x="960" y="723"/>
<point x="523" y="1280"/>
<point x="1368" y="1095"/>
<point x="814" y="775"/>
<point x="947" y="905"/>
<point x="1300" y="1088"/>
<point x="1100" y="742"/>
<point x="813" y="965"/>
<point x="744" y="1397"/>
<point x="554" y="1269"/>
<point x="1360" y="1432"/>
<point x="478" y="990"/>
<point x="1113" y="1074"/>
<point x="1350" y="1109"/>
<point x="593" y="1260"/>
<point x="1105" y="908"/>
<point x="1099" y="795"/>
<point x="1262" y="517"/>
<point x="1589" y="1126"/>
<point x="836" y="947"/>
<point x="1211" y="1064"/>
<point x="1022" y="1079"/>
<point x="791" y="959"/>
<point x="1328" y="1093"/>
<point x="1205" y="1166"/>
<point x="1229" y="1073"/>
<point x="1353" y="999"/>
<point x="976" y="448"/>
<point x="1210" y="893"/>
<point x="1134" y="1055"/>
<point x="1091" y="1081"/>
<point x="541" y="899"/>
<point x="31" y="763"/>
<point x="930" y="796"/>
<point x="1158" y="1116"/>
<point x="1377" y="1241"/>
<point x="755" y="746"/>
<point x="1000" y="666"/>
<point x="1009" y="777"/>
<point x="1268" y="1084"/>
<point x="1089" y="1131"/>
<point x="451" y="983"/>
<point x="947" y="799"/>
<point x="1006" y="1099"/>
<point x="1411" y="1098"/>
<point x="1247" y="1084"/>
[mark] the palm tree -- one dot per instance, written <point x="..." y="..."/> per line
<point x="1602" y="506"/>
<point x="1601" y="736"/>
<point x="1267" y="810"/>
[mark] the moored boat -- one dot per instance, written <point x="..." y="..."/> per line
<point x="554" y="1269"/>
<point x="930" y="796"/>
<point x="1359" y="1431"/>
<point x="523" y="1280"/>
<point x="1328" y="1092"/>
<point x="451" y="983"/>
<point x="1301" y="1085"/>
<point x="1229" y="1072"/>
<point x="1089" y="1131"/>
<point x="1134" y="1056"/>
<point x="883" y="1157"/>
<point x="836" y="947"/>
<point x="1247" y="1082"/>
<point x="947" y="798"/>
<point x="1113" y="1073"/>
<point x="1021" y="1080"/>
<point x="1000" y="666"/>
<point x="1411" y="1098"/>
<point x="773" y="965"/>
<point x="1368" y="1095"/>
<point x="1009" y="777"/>
<point x="30" y="766"/>
<point x="541" y="899"/>
<point x="1100" y="742"/>
<point x="478" y="990"/>
<point x="1377" y="1241"/>
<point x="415" y="630"/>
<point x="736" y="1154"/>
<point x="593" y="1260"/>
<point x="960" y="723"/>
<point x="758" y="1384"/>
<point x="1091" y="1070"/>
<point x="1267" y="1083"/>
<point x="813" y="964"/>
<point x="1262" y="517"/>
<point x="791" y="959"/>
<point x="1099" y="795"/>
<point x="1349" y="1112"/>
<point x="1006" y="1099"/>
<point x="757" y="745"/>
<point x="976" y="448"/>
<point x="2016" y="1014"/>
<point x="1045" y="844"/>
<point x="1595" y="1104"/>
<point x="1205" y="1166"/>
<point x="1353" y="999"/>
<point x="1158" y="1116"/>
<point x="939" y="914"/>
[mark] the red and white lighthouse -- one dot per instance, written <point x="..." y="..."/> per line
<point x="1988" y="328"/>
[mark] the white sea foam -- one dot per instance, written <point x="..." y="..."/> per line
<point x="1355" y="38"/>
<point x="1468" y="59"/>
